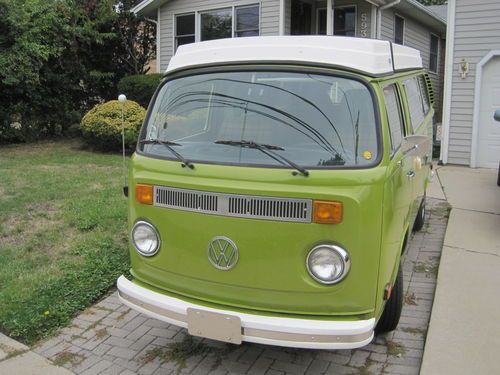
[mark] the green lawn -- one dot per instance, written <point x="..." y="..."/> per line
<point x="63" y="236"/>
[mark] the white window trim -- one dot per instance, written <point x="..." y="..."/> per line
<point x="197" y="23"/>
<point x="355" y="6"/>
<point x="437" y="53"/>
<point x="404" y="28"/>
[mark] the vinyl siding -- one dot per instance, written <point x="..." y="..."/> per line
<point x="477" y="32"/>
<point x="269" y="16"/>
<point x="419" y="37"/>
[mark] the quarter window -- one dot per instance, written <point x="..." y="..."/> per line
<point x="184" y="29"/>
<point x="393" y="109"/>
<point x="433" y="58"/>
<point x="415" y="104"/>
<point x="423" y="92"/>
<point x="399" y="29"/>
<point x="247" y="21"/>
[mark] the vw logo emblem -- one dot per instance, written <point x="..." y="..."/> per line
<point x="222" y="253"/>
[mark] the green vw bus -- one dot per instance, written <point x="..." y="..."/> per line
<point x="274" y="187"/>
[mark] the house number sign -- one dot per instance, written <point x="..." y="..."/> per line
<point x="364" y="25"/>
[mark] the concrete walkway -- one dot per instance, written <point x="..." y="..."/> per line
<point x="464" y="331"/>
<point x="16" y="358"/>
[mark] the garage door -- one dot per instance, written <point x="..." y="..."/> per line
<point x="488" y="141"/>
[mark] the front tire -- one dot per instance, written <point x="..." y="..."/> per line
<point x="420" y="220"/>
<point x="392" y="310"/>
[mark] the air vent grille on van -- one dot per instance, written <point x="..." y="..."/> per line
<point x="430" y="90"/>
<point x="244" y="206"/>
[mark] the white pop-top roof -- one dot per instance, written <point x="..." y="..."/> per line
<point x="370" y="56"/>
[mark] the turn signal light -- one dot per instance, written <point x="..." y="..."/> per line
<point x="144" y="194"/>
<point x="325" y="212"/>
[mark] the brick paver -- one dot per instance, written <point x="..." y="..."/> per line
<point x="109" y="338"/>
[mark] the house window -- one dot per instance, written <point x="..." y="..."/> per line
<point x="184" y="29"/>
<point x="216" y="24"/>
<point x="433" y="58"/>
<point x="247" y="21"/>
<point x="399" y="29"/>
<point x="344" y="21"/>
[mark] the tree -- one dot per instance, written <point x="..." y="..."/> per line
<point x="60" y="57"/>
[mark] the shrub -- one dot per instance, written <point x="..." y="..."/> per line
<point x="102" y="125"/>
<point x="139" y="88"/>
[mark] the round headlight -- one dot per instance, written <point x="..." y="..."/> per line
<point x="328" y="264"/>
<point x="145" y="238"/>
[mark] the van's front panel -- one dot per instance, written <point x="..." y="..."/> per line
<point x="271" y="273"/>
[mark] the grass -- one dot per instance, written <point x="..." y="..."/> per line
<point x="62" y="234"/>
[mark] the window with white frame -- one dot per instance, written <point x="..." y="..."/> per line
<point x="247" y="21"/>
<point x="344" y="21"/>
<point x="184" y="29"/>
<point x="433" y="58"/>
<point x="217" y="24"/>
<point x="399" y="29"/>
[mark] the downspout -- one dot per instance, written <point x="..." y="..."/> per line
<point x="157" y="23"/>
<point x="379" y="16"/>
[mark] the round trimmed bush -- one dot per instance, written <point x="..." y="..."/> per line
<point x="140" y="87"/>
<point x="102" y="125"/>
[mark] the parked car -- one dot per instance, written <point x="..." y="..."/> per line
<point x="274" y="188"/>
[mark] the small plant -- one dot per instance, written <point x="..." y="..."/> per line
<point x="410" y="299"/>
<point x="102" y="125"/>
<point x="396" y="349"/>
<point x="178" y="352"/>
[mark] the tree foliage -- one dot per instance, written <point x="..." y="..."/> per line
<point x="58" y="58"/>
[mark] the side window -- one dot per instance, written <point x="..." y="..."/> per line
<point x="415" y="103"/>
<point x="393" y="109"/>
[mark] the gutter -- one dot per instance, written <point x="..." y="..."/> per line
<point x="379" y="16"/>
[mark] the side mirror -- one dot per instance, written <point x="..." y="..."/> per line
<point x="496" y="116"/>
<point x="417" y="145"/>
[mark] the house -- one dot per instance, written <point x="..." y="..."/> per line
<point x="402" y="21"/>
<point x="472" y="81"/>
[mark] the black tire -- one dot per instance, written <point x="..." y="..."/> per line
<point x="420" y="220"/>
<point x="392" y="310"/>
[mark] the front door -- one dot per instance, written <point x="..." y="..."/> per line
<point x="301" y="18"/>
<point x="488" y="141"/>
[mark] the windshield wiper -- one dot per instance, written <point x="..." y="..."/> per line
<point x="269" y="151"/>
<point x="168" y="145"/>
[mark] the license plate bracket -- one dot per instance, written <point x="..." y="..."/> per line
<point x="216" y="326"/>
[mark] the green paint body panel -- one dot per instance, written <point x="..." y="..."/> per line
<point x="270" y="277"/>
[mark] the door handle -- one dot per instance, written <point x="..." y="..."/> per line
<point x="410" y="174"/>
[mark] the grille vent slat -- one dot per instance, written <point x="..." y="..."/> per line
<point x="244" y="206"/>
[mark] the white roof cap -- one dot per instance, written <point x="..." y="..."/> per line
<point x="370" y="56"/>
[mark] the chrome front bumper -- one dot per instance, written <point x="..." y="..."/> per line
<point x="270" y="330"/>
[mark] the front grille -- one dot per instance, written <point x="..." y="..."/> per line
<point x="244" y="206"/>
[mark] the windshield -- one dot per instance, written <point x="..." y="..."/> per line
<point x="314" y="121"/>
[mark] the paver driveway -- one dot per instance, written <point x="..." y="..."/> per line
<point x="109" y="338"/>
